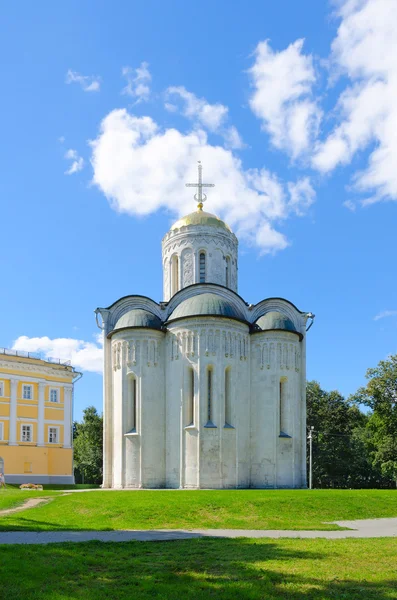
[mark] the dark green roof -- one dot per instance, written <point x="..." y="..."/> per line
<point x="138" y="317"/>
<point x="206" y="304"/>
<point x="275" y="320"/>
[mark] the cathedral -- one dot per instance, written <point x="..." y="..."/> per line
<point x="203" y="390"/>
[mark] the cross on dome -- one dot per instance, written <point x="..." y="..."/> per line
<point x="200" y="196"/>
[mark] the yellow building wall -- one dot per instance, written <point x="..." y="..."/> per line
<point x="4" y="410"/>
<point x="26" y="412"/>
<point x="52" y="414"/>
<point x="44" y="461"/>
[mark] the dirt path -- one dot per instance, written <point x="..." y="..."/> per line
<point x="29" y="503"/>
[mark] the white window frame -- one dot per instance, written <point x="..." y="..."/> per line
<point x="57" y="434"/>
<point x="2" y="388"/>
<point x="27" y="385"/>
<point x="1" y="431"/>
<point x="58" y="393"/>
<point x="30" y="425"/>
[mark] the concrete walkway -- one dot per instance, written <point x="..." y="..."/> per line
<point x="369" y="528"/>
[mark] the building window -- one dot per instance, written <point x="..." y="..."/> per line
<point x="27" y="392"/>
<point x="228" y="405"/>
<point x="1" y="465"/>
<point x="54" y="395"/>
<point x="202" y="267"/>
<point x="26" y="433"/>
<point x="53" y="435"/>
<point x="283" y="406"/>
<point x="190" y="398"/>
<point x="227" y="271"/>
<point x="174" y="274"/>
<point x="1" y="433"/>
<point x="1" y="388"/>
<point x="27" y="467"/>
<point x="131" y="405"/>
<point x="209" y="395"/>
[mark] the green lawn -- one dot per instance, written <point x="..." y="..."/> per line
<point x="239" y="509"/>
<point x="12" y="497"/>
<point x="227" y="569"/>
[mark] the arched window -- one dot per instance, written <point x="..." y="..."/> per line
<point x="190" y="398"/>
<point x="228" y="404"/>
<point x="227" y="271"/>
<point x="202" y="267"/>
<point x="283" y="406"/>
<point x="131" y="405"/>
<point x="209" y="395"/>
<point x="174" y="275"/>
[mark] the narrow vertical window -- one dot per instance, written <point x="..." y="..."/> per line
<point x="190" y="399"/>
<point x="209" y="395"/>
<point x="174" y="275"/>
<point x="202" y="267"/>
<point x="283" y="406"/>
<point x="132" y="405"/>
<point x="227" y="271"/>
<point x="228" y="406"/>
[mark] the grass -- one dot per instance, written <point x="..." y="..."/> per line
<point x="201" y="569"/>
<point x="234" y="509"/>
<point x="12" y="497"/>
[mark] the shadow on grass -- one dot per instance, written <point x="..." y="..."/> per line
<point x="199" y="569"/>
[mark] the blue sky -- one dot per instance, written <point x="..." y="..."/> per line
<point x="106" y="108"/>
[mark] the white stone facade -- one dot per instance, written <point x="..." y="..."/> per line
<point x="204" y="390"/>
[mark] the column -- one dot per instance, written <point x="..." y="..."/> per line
<point x="67" y="416"/>
<point x="12" y="437"/>
<point x="40" y="415"/>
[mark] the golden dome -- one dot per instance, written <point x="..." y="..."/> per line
<point x="201" y="217"/>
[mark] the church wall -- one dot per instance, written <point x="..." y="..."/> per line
<point x="207" y="452"/>
<point x="138" y="409"/>
<point x="277" y="410"/>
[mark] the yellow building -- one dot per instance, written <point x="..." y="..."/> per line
<point x="36" y="408"/>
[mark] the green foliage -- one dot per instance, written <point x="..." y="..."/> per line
<point x="87" y="442"/>
<point x="340" y="457"/>
<point x="380" y="395"/>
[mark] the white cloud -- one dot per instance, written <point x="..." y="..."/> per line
<point x="364" y="51"/>
<point x="385" y="313"/>
<point x="138" y="81"/>
<point x="77" y="161"/>
<point x="88" y="83"/>
<point x="282" y="96"/>
<point x="142" y="169"/>
<point x="350" y="205"/>
<point x="212" y="117"/>
<point x="87" y="356"/>
<point x="302" y="195"/>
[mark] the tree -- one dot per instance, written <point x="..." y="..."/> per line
<point x="380" y="395"/>
<point x="88" y="453"/>
<point x="340" y="457"/>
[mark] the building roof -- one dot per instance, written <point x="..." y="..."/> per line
<point x="275" y="320"/>
<point x="206" y="304"/>
<point x="201" y="217"/>
<point x="138" y="318"/>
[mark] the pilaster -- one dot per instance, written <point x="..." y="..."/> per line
<point x="67" y="416"/>
<point x="40" y="415"/>
<point x="12" y="438"/>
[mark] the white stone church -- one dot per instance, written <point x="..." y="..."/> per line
<point x="203" y="390"/>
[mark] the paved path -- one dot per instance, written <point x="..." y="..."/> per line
<point x="369" y="528"/>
